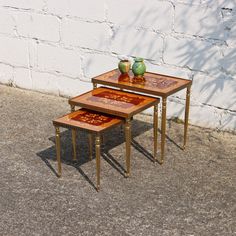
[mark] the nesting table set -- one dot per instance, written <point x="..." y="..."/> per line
<point x="104" y="108"/>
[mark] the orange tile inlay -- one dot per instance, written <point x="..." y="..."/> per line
<point x="92" y="118"/>
<point x="113" y="98"/>
<point x="160" y="83"/>
<point x="147" y="81"/>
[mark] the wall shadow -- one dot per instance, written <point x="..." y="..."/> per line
<point x="208" y="51"/>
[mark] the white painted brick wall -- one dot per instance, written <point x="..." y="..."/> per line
<point x="14" y="51"/>
<point x="158" y="17"/>
<point x="137" y="42"/>
<point x="85" y="34"/>
<point x="96" y="64"/>
<point x="219" y="3"/>
<point x="23" y="4"/>
<point x="198" y="20"/>
<point x="228" y="61"/>
<point x="38" y="26"/>
<point x="212" y="91"/>
<point x="58" y="46"/>
<point x="6" y="28"/>
<point x="89" y="10"/>
<point x="6" y="74"/>
<point x="231" y="40"/>
<point x="58" y="85"/>
<point x="60" y="60"/>
<point x="192" y="53"/>
<point x="22" y="78"/>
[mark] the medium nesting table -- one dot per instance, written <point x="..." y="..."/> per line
<point x="154" y="84"/>
<point x="121" y="104"/>
<point x="93" y="122"/>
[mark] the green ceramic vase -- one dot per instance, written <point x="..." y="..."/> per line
<point x="124" y="66"/>
<point x="138" y="67"/>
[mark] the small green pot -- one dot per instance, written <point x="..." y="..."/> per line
<point x="138" y="67"/>
<point x="124" y="66"/>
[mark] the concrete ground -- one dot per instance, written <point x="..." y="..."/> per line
<point x="192" y="193"/>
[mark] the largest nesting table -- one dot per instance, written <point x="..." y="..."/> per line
<point x="154" y="84"/>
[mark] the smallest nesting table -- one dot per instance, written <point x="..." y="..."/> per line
<point x="91" y="121"/>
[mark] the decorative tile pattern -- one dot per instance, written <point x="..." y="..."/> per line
<point x="92" y="118"/>
<point x="161" y="83"/>
<point x="115" y="99"/>
<point x="147" y="81"/>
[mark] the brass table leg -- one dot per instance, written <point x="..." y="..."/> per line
<point x="155" y="130"/>
<point x="128" y="146"/>
<point x="163" y="130"/>
<point x="94" y="86"/>
<point x="97" y="147"/>
<point x="74" y="143"/>
<point x="90" y="146"/>
<point x="58" y="150"/>
<point x="72" y="108"/>
<point x="187" y="104"/>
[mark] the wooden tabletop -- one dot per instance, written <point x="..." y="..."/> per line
<point x="155" y="84"/>
<point x="88" y="120"/>
<point x="114" y="102"/>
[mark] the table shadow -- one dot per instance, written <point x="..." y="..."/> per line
<point x="113" y="137"/>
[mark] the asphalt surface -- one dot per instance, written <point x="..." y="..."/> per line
<point x="192" y="193"/>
